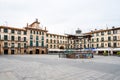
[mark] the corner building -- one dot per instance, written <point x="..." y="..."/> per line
<point x="29" y="40"/>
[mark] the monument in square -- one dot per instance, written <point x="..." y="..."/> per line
<point x="76" y="47"/>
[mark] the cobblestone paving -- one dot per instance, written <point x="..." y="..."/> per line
<point x="50" y="67"/>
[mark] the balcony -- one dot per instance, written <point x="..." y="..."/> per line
<point x="12" y="46"/>
<point x="25" y="46"/>
<point x="19" y="46"/>
<point x="5" y="46"/>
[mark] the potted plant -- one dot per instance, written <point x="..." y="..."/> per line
<point x="118" y="53"/>
<point x="105" y="53"/>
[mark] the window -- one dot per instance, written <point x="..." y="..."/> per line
<point x="114" y="31"/>
<point x="54" y="41"/>
<point x="60" y="37"/>
<point x="102" y="33"/>
<point x="102" y="39"/>
<point x="12" y="38"/>
<point x="46" y="35"/>
<point x="114" y="45"/>
<point x="109" y="44"/>
<point x="54" y="46"/>
<point x="19" y="45"/>
<point x="109" y="38"/>
<point x="58" y="41"/>
<point x="92" y="40"/>
<point x="47" y="45"/>
<point x="46" y="40"/>
<point x="109" y="32"/>
<point x="24" y="38"/>
<point x="5" y="37"/>
<point x="97" y="39"/>
<point x="31" y="43"/>
<point x="5" y="30"/>
<point x="51" y="41"/>
<point x="37" y="44"/>
<point x="50" y="46"/>
<point x="42" y="43"/>
<point x="19" y="38"/>
<point x="42" y="33"/>
<point x="31" y="36"/>
<point x="5" y="44"/>
<point x="12" y="45"/>
<point x="12" y="31"/>
<point x="92" y="35"/>
<point x="19" y="32"/>
<point x="97" y="45"/>
<point x="37" y="32"/>
<point x="102" y="44"/>
<point x="34" y="32"/>
<point x="114" y="38"/>
<point x="25" y="45"/>
<point x="42" y="37"/>
<point x="37" y="38"/>
<point x="31" y="31"/>
<point x="25" y="32"/>
<point x="97" y="34"/>
<point x="51" y="36"/>
<point x="92" y="45"/>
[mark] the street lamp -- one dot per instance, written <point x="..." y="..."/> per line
<point x="80" y="45"/>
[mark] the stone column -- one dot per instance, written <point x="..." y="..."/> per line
<point x="9" y="51"/>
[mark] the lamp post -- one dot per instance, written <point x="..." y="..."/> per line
<point x="80" y="45"/>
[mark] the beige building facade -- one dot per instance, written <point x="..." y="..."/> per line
<point x="29" y="40"/>
<point x="33" y="39"/>
<point x="105" y="40"/>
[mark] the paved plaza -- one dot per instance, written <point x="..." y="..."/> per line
<point x="51" y="67"/>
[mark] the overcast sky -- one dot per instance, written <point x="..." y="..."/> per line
<point x="61" y="16"/>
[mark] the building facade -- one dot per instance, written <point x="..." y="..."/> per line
<point x="33" y="39"/>
<point x="29" y="40"/>
<point x="105" y="40"/>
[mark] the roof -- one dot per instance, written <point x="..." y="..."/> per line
<point x="22" y="29"/>
<point x="56" y="34"/>
<point x="35" y="29"/>
<point x="103" y="30"/>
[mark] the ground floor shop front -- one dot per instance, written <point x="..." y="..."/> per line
<point x="109" y="51"/>
<point x="29" y="50"/>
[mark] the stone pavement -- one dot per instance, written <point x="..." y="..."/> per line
<point x="50" y="67"/>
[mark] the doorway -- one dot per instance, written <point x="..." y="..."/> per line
<point x="12" y="51"/>
<point x="42" y="52"/>
<point x="31" y="52"/>
<point x="6" y="52"/>
<point x="37" y="51"/>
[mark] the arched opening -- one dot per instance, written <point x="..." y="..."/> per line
<point x="42" y="52"/>
<point x="12" y="51"/>
<point x="37" y="51"/>
<point x="6" y="52"/>
<point x="61" y="47"/>
<point x="31" y="52"/>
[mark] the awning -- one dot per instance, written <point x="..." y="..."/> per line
<point x="56" y="50"/>
<point x="116" y="49"/>
<point x="103" y="49"/>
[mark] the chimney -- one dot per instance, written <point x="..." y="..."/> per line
<point x="36" y="20"/>
<point x="113" y="27"/>
<point x="45" y="28"/>
<point x="107" y="28"/>
<point x="27" y="24"/>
